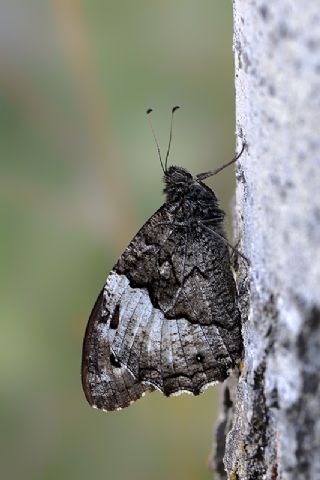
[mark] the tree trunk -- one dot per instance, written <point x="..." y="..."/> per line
<point x="270" y="427"/>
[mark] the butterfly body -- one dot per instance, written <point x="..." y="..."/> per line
<point x="167" y="317"/>
<point x="197" y="199"/>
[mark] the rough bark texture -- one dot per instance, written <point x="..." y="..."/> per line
<point x="271" y="415"/>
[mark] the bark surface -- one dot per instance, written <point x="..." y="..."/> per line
<point x="271" y="427"/>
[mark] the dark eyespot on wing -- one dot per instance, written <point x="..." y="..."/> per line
<point x="114" y="362"/>
<point x="114" y="323"/>
<point x="200" y="357"/>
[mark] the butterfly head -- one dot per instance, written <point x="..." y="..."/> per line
<point x="177" y="182"/>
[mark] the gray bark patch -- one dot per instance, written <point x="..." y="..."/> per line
<point x="271" y="426"/>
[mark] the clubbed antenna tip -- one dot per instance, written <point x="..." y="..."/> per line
<point x="155" y="139"/>
<point x="164" y="166"/>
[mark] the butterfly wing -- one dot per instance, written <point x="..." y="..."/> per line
<point x="177" y="327"/>
<point x="190" y="333"/>
<point x="106" y="384"/>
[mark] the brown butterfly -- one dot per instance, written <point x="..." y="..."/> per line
<point x="167" y="317"/>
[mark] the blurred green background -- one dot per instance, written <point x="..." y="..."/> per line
<point x="79" y="176"/>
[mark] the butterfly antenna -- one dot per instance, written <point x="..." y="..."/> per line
<point x="155" y="138"/>
<point x="170" y="138"/>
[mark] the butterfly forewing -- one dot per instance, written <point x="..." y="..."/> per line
<point x="106" y="384"/>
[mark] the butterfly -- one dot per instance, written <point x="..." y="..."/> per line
<point x="167" y="316"/>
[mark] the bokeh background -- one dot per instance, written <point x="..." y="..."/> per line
<point x="79" y="176"/>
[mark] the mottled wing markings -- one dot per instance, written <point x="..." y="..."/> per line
<point x="167" y="317"/>
<point x="106" y="387"/>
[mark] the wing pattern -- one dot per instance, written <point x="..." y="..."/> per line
<point x="167" y="316"/>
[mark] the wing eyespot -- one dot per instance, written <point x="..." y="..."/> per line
<point x="114" y="362"/>
<point x="199" y="357"/>
<point x="114" y="322"/>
